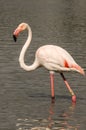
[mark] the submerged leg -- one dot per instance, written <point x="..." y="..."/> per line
<point x="69" y="88"/>
<point x="52" y="86"/>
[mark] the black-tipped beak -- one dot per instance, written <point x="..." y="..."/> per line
<point x="15" y="38"/>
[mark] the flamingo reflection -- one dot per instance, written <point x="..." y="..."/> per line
<point x="64" y="121"/>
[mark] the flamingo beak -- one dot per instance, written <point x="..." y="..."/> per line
<point x="16" y="33"/>
<point x="14" y="37"/>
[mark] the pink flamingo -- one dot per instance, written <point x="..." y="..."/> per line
<point x="53" y="58"/>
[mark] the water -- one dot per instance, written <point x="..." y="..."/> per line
<point x="25" y="102"/>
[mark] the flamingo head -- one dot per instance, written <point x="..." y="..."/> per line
<point x="21" y="27"/>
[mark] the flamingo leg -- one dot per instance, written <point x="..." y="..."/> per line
<point x="69" y="88"/>
<point x="52" y="86"/>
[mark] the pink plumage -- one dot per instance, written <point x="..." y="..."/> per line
<point x="57" y="59"/>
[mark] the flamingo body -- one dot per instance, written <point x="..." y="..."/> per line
<point x="53" y="58"/>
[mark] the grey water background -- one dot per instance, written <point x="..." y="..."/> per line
<point x="25" y="101"/>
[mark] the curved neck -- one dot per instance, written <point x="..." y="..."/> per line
<point x="26" y="45"/>
<point x="24" y="49"/>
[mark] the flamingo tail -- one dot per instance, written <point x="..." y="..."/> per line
<point x="78" y="69"/>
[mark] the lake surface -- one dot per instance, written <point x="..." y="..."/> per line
<point x="25" y="102"/>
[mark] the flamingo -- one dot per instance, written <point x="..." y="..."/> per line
<point x="52" y="57"/>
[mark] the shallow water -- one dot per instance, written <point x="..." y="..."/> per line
<point x="25" y="102"/>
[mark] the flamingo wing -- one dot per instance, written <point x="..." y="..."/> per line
<point x="57" y="59"/>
